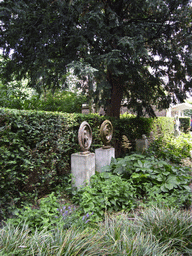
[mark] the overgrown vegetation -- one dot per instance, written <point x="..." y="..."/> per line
<point x="135" y="180"/>
<point x="35" y="149"/>
<point x="16" y="95"/>
<point x="114" y="213"/>
<point x="153" y="231"/>
<point x="171" y="148"/>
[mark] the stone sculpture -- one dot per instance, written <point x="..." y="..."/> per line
<point x="85" y="137"/>
<point x="106" y="132"/>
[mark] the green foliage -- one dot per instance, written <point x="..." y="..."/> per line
<point x="68" y="32"/>
<point x="153" y="231"/>
<point x="185" y="123"/>
<point x="38" y="217"/>
<point x="16" y="96"/>
<point x="63" y="101"/>
<point x="106" y="192"/>
<point x="13" y="95"/>
<point x="35" y="149"/>
<point x="163" y="126"/>
<point x="19" y="241"/>
<point x="169" y="226"/>
<point x="35" y="153"/>
<point x="172" y="149"/>
<point x="154" y="179"/>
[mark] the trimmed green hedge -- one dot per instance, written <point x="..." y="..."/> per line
<point x="36" y="147"/>
<point x="185" y="123"/>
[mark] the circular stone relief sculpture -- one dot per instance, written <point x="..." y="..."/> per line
<point x="85" y="137"/>
<point x="106" y="132"/>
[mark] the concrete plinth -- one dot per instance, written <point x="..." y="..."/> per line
<point x="82" y="168"/>
<point x="103" y="157"/>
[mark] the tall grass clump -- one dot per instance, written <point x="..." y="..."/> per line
<point x="169" y="226"/>
<point x="128" y="239"/>
<point x="154" y="232"/>
<point x="58" y="242"/>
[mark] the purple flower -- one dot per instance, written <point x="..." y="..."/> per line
<point x="83" y="218"/>
<point x="87" y="215"/>
<point x="64" y="207"/>
<point x="86" y="221"/>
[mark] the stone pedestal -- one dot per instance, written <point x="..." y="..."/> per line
<point x="103" y="157"/>
<point x="82" y="168"/>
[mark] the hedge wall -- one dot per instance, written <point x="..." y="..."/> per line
<point x="35" y="147"/>
<point x="185" y="123"/>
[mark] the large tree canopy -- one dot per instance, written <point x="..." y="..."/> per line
<point x="133" y="44"/>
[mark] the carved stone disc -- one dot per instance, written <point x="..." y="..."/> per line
<point x="85" y="136"/>
<point x="106" y="132"/>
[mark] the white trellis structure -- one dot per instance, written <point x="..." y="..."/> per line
<point x="178" y="109"/>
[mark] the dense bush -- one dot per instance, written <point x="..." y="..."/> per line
<point x="63" y="101"/>
<point x="35" y="150"/>
<point x="163" y="126"/>
<point x="106" y="193"/>
<point x="173" y="149"/>
<point x="154" y="180"/>
<point x="16" y="95"/>
<point x="36" y="146"/>
<point x="185" y="124"/>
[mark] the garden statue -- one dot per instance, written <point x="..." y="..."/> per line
<point x="106" y="132"/>
<point x="85" y="137"/>
<point x="83" y="163"/>
<point x="104" y="154"/>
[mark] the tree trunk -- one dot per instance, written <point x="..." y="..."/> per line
<point x="113" y="109"/>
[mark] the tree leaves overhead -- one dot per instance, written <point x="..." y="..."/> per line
<point x="42" y="35"/>
<point x="131" y="44"/>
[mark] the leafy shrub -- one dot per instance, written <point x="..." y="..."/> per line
<point x="40" y="216"/>
<point x="185" y="124"/>
<point x="13" y="95"/>
<point x="163" y="126"/>
<point x="62" y="101"/>
<point x="106" y="192"/>
<point x="36" y="147"/>
<point x="16" y="95"/>
<point x="49" y="213"/>
<point x="172" y="149"/>
<point x="154" y="179"/>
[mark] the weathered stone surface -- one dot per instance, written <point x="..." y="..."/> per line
<point x="85" y="136"/>
<point x="106" y="132"/>
<point x="82" y="168"/>
<point x="103" y="157"/>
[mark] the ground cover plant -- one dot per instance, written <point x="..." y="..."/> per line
<point x="135" y="180"/>
<point x="152" y="231"/>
